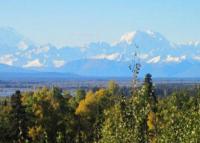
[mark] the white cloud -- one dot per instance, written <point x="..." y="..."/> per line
<point x="128" y="37"/>
<point x="33" y="64"/>
<point x="58" y="63"/>
<point x="154" y="60"/>
<point x="174" y="59"/>
<point x="7" y="59"/>
<point x="113" y="56"/>
<point x="196" y="58"/>
<point x="22" y="46"/>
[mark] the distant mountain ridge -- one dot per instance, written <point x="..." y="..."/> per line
<point x="158" y="56"/>
<point x="16" y="73"/>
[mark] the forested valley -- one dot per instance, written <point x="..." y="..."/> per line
<point x="101" y="115"/>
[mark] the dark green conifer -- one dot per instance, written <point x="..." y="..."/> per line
<point x="18" y="119"/>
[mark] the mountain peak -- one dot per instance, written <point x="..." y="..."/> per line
<point x="5" y="31"/>
<point x="9" y="36"/>
<point x="154" y="50"/>
<point x="130" y="37"/>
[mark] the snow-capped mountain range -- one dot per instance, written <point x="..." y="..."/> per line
<point x="157" y="55"/>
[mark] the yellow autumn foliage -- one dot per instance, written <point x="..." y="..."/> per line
<point x="38" y="110"/>
<point x="91" y="100"/>
<point x="151" y="120"/>
<point x="36" y="133"/>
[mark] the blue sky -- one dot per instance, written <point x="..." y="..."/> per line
<point x="78" y="22"/>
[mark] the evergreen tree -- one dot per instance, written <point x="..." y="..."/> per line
<point x="18" y="119"/>
<point x="152" y="99"/>
<point x="5" y="123"/>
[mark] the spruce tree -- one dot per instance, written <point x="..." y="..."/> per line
<point x="151" y="128"/>
<point x="18" y="119"/>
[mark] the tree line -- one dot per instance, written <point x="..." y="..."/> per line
<point x="101" y="115"/>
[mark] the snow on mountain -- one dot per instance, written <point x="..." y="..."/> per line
<point x="175" y="59"/>
<point x="154" y="60"/>
<point x="155" y="52"/>
<point x="113" y="56"/>
<point x="128" y="37"/>
<point x="33" y="64"/>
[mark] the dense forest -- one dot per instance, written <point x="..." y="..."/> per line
<point x="101" y="115"/>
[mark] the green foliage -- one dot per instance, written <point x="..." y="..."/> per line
<point x="178" y="119"/>
<point x="90" y="112"/>
<point x="113" y="88"/>
<point x="5" y="124"/>
<point x="74" y="101"/>
<point x="51" y="115"/>
<point x="18" y="119"/>
<point x="119" y="124"/>
<point x="127" y="120"/>
<point x="103" y="115"/>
